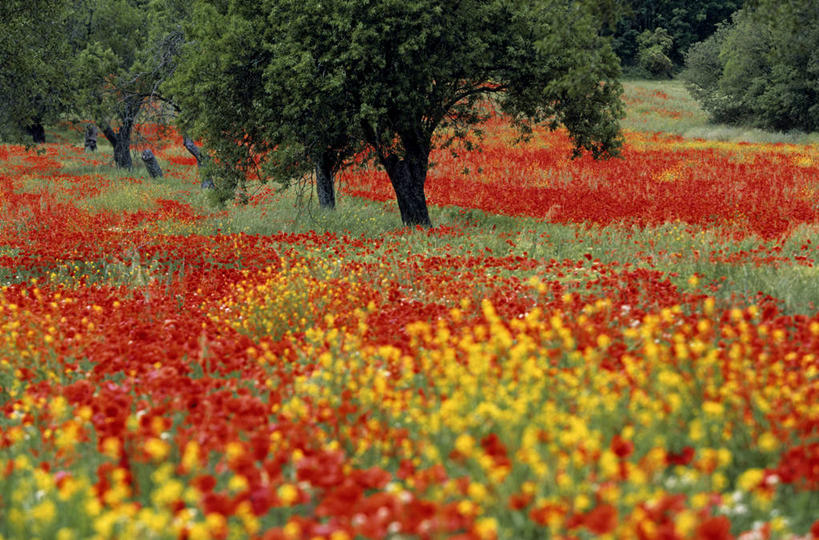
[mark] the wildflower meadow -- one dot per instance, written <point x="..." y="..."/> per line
<point x="626" y="348"/>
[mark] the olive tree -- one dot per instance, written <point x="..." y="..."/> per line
<point x="285" y="85"/>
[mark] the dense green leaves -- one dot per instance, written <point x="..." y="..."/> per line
<point x="33" y="64"/>
<point x="275" y="85"/>
<point x="762" y="69"/>
<point x="686" y="21"/>
<point x="653" y="51"/>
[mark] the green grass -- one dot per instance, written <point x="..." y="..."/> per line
<point x="666" y="106"/>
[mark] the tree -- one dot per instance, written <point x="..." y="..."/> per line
<point x="762" y="69"/>
<point x="288" y="112"/>
<point x="395" y="76"/>
<point x="124" y="50"/>
<point x="33" y="64"/>
<point x="653" y="50"/>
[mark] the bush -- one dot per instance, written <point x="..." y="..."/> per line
<point x="759" y="71"/>
<point x="652" y="52"/>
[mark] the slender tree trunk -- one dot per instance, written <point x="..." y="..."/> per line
<point x="151" y="163"/>
<point x="408" y="176"/>
<point x="324" y="183"/>
<point x="91" y="138"/>
<point x="190" y="146"/>
<point x="37" y="132"/>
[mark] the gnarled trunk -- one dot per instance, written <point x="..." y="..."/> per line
<point x="121" y="141"/>
<point x="190" y="146"/>
<point x="408" y="176"/>
<point x="324" y="183"/>
<point x="151" y="163"/>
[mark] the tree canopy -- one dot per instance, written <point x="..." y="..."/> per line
<point x="281" y="82"/>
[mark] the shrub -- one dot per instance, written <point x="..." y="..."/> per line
<point x="652" y="52"/>
<point x="759" y="71"/>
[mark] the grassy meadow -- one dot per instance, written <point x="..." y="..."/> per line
<point x="576" y="349"/>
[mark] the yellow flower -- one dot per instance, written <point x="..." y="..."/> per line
<point x="713" y="408"/>
<point x="581" y="502"/>
<point x="467" y="507"/>
<point x="237" y="483"/>
<point x="288" y="493"/>
<point x="217" y="524"/>
<point x="167" y="493"/>
<point x="65" y="534"/>
<point x="199" y="531"/>
<point x="718" y="481"/>
<point x="750" y="479"/>
<point x="157" y="448"/>
<point x="767" y="442"/>
<point x="292" y="530"/>
<point x="685" y="522"/>
<point x="465" y="444"/>
<point x="477" y="492"/>
<point x="44" y="512"/>
<point x="111" y="447"/>
<point x="486" y="528"/>
<point x="609" y="464"/>
<point x="190" y="455"/>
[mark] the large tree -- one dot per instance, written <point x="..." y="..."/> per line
<point x="396" y="75"/>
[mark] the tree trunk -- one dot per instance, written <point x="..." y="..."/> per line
<point x="91" y="138"/>
<point x="408" y="176"/>
<point x="151" y="163"/>
<point x="324" y="183"/>
<point x="122" y="150"/>
<point x="121" y="141"/>
<point x="37" y="132"/>
<point x="190" y="146"/>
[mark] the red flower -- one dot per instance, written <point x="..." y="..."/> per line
<point x="602" y="519"/>
<point x="621" y="447"/>
<point x="714" y="528"/>
<point x="683" y="457"/>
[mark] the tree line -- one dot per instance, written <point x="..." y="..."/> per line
<point x="282" y="89"/>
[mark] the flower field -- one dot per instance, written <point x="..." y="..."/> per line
<point x="624" y="349"/>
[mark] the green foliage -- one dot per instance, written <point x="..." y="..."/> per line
<point x="653" y="52"/>
<point x="33" y="63"/>
<point x="123" y="53"/>
<point x="275" y="83"/>
<point x="761" y="70"/>
<point x="687" y="22"/>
